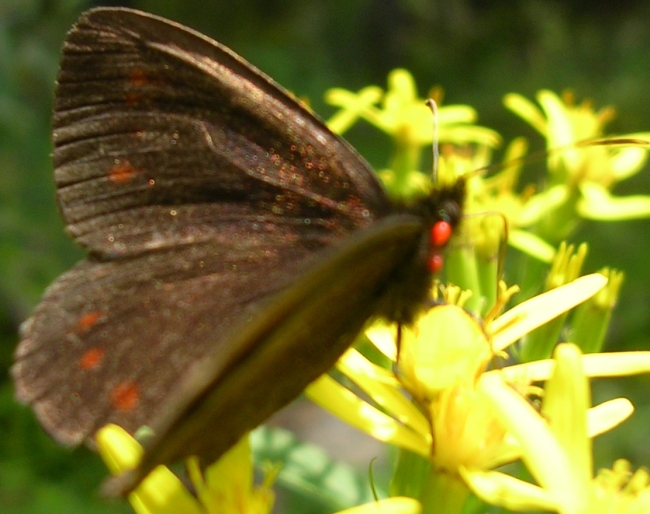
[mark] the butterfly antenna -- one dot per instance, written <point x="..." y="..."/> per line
<point x="434" y="109"/>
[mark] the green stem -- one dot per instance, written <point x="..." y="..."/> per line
<point x="443" y="494"/>
<point x="405" y="160"/>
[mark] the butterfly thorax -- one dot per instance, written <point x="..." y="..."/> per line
<point x="440" y="213"/>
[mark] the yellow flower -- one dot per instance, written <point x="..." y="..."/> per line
<point x="406" y="118"/>
<point x="555" y="443"/>
<point x="585" y="174"/>
<point x="619" y="491"/>
<point x="405" y="115"/>
<point x="226" y="487"/>
<point x="442" y="364"/>
<point x="396" y="505"/>
<point x="589" y="322"/>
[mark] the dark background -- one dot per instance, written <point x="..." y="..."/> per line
<point x="476" y="50"/>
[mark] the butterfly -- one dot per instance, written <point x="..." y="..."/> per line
<point x="236" y="246"/>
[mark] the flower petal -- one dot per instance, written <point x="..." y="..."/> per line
<point x="607" y="415"/>
<point x="598" y="204"/>
<point x="396" y="505"/>
<point x="566" y="401"/>
<point x="541" y="452"/>
<point x="500" y="489"/>
<point x="353" y="410"/>
<point x="518" y="321"/>
<point x="381" y="385"/>
<point x="161" y="492"/>
<point x="527" y="110"/>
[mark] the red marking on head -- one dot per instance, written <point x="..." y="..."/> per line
<point x="88" y="320"/>
<point x="440" y="234"/>
<point x="122" y="172"/>
<point x="435" y="263"/>
<point x="125" y="396"/>
<point x="91" y="358"/>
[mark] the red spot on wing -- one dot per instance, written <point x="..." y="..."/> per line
<point x="122" y="173"/>
<point x="91" y="358"/>
<point x="125" y="396"/>
<point x="88" y="320"/>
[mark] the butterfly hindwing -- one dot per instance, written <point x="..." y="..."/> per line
<point x="111" y="339"/>
<point x="294" y="339"/>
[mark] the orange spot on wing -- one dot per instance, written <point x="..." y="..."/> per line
<point x="138" y="77"/>
<point x="136" y="81"/>
<point x="122" y="172"/>
<point x="125" y="396"/>
<point x="91" y="358"/>
<point x="88" y="320"/>
<point x="133" y="98"/>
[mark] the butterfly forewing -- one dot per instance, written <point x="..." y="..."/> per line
<point x="200" y="188"/>
<point x="149" y="115"/>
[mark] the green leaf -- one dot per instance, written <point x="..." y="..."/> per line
<point x="308" y="471"/>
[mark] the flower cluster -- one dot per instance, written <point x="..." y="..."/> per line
<point x="495" y="404"/>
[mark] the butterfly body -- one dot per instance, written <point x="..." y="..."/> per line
<point x="236" y="246"/>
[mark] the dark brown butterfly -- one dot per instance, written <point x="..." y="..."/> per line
<point x="235" y="245"/>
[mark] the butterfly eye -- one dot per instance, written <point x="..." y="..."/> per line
<point x="449" y="210"/>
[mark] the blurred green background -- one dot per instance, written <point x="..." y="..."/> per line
<point x="476" y="50"/>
